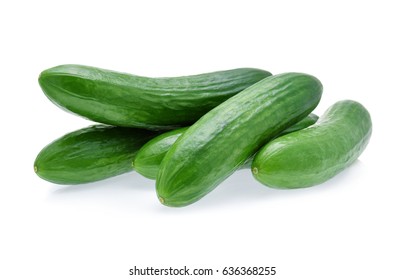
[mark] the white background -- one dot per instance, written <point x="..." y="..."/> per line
<point x="348" y="228"/>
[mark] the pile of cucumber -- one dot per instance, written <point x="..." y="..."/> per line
<point x="190" y="133"/>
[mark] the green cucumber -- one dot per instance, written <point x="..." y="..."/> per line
<point x="313" y="155"/>
<point x="147" y="161"/>
<point x="223" y="139"/>
<point x="306" y="122"/>
<point x="90" y="154"/>
<point x="133" y="101"/>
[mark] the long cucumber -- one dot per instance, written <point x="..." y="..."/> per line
<point x="223" y="139"/>
<point x="127" y="100"/>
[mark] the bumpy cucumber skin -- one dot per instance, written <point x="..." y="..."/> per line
<point x="147" y="161"/>
<point x="223" y="139"/>
<point x="313" y="155"/>
<point x="90" y="154"/>
<point x="133" y="101"/>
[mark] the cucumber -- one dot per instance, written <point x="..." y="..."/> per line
<point x="313" y="155"/>
<point x="147" y="161"/>
<point x="133" y="101"/>
<point x="306" y="122"/>
<point x="90" y="154"/>
<point x="223" y="139"/>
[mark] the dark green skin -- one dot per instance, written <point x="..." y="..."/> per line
<point x="147" y="161"/>
<point x="314" y="155"/>
<point x="90" y="154"/>
<point x="133" y="101"/>
<point x="223" y="139"/>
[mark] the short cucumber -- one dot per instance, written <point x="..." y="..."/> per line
<point x="133" y="101"/>
<point x="223" y="139"/>
<point x="313" y="155"/>
<point x="90" y="154"/>
<point x="147" y="161"/>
